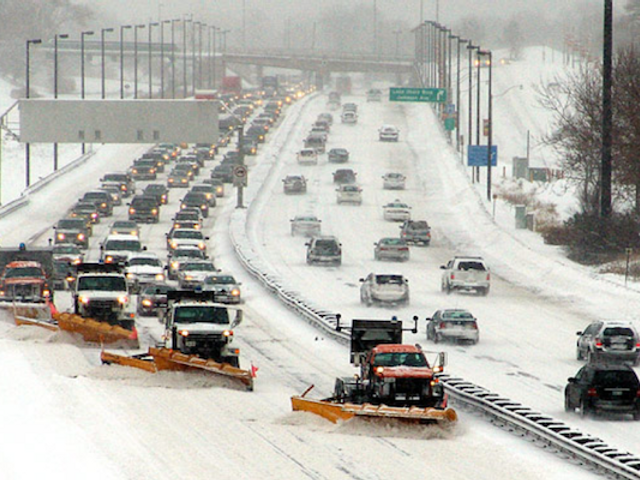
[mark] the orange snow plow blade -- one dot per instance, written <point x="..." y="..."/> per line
<point x="336" y="412"/>
<point x="96" y="332"/>
<point x="34" y="315"/>
<point x="165" y="359"/>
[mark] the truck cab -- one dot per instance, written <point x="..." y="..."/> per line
<point x="195" y="324"/>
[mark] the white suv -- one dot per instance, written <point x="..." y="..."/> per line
<point x="384" y="288"/>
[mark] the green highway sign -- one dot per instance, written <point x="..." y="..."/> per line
<point x="431" y="95"/>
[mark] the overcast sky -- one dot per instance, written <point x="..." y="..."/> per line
<point x="409" y="10"/>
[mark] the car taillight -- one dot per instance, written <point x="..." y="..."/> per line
<point x="598" y="343"/>
<point x="592" y="392"/>
<point x="442" y="325"/>
<point x="452" y="276"/>
<point x="488" y="277"/>
<point x="404" y="249"/>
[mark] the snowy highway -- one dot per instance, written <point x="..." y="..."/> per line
<point x="127" y="424"/>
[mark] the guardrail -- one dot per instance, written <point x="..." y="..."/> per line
<point x="567" y="442"/>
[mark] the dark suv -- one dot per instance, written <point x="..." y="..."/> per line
<point x="144" y="208"/>
<point x="609" y="342"/>
<point x="127" y="184"/>
<point x="324" y="250"/>
<point x="603" y="388"/>
<point x="101" y="199"/>
<point x="196" y="200"/>
<point x="417" y="232"/>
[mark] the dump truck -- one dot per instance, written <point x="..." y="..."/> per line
<point x="396" y="381"/>
<point x="26" y="274"/>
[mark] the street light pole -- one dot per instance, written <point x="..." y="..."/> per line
<point x="102" y="32"/>
<point x="193" y="57"/>
<point x="607" y="112"/>
<point x="489" y="121"/>
<point x="122" y="28"/>
<point x="82" y="35"/>
<point x="470" y="49"/>
<point x="173" y="58"/>
<point x="151" y="24"/>
<point x="27" y="149"/>
<point x="55" y="88"/>
<point x="184" y="54"/>
<point x="375" y="28"/>
<point x="223" y="33"/>
<point x="162" y="57"/>
<point x="458" y="106"/>
<point x="135" y="60"/>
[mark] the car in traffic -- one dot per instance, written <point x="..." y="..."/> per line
<point x="208" y="190"/>
<point x="305" y="225"/>
<point x="384" y="288"/>
<point x="455" y="325"/>
<point x="603" y="388"/>
<point x="393" y="181"/>
<point x="349" y="117"/>
<point x="223" y="173"/>
<point x="114" y="190"/>
<point x="344" y="176"/>
<point x="124" y="227"/>
<point x="416" y="232"/>
<point x="294" y="184"/>
<point x="68" y="253"/>
<point x="101" y="199"/>
<point x="178" y="179"/>
<point x="124" y="179"/>
<point x="391" y="248"/>
<point x="196" y="200"/>
<point x="178" y="237"/>
<point x="144" y="208"/>
<point x="144" y="169"/>
<point x="324" y="250"/>
<point x="609" y="341"/>
<point x="349" y="193"/>
<point x="72" y="230"/>
<point x="317" y="141"/>
<point x="388" y="133"/>
<point x="374" y="95"/>
<point x="338" y="155"/>
<point x="466" y="273"/>
<point x="159" y="191"/>
<point x="225" y="286"/>
<point x="118" y="248"/>
<point x="188" y="216"/>
<point x="185" y="253"/>
<point x="396" y="211"/>
<point x="87" y="211"/>
<point x="192" y="274"/>
<point x="307" y="156"/>
<point x="152" y="299"/>
<point x="142" y="269"/>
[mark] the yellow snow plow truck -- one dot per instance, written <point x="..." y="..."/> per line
<point x="396" y="381"/>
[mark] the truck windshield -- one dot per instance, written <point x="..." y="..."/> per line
<point x="396" y="359"/>
<point x="102" y="284"/>
<point x="24" y="272"/>
<point x="201" y="314"/>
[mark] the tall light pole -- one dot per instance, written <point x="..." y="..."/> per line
<point x="244" y="25"/>
<point x="102" y="32"/>
<point x="193" y="57"/>
<point x="201" y="24"/>
<point x="55" y="87"/>
<point x="122" y="28"/>
<point x="224" y="33"/>
<point x="173" y="57"/>
<point x="488" y="54"/>
<point x="607" y="112"/>
<point x="470" y="48"/>
<point x="27" y="149"/>
<point x="184" y="54"/>
<point x="82" y="35"/>
<point x="151" y="24"/>
<point x="135" y="59"/>
<point x="458" y="106"/>
<point x="162" y="57"/>
<point x="375" y="28"/>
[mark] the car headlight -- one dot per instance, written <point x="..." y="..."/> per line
<point x="130" y="276"/>
<point x="154" y="211"/>
<point x="108" y="259"/>
<point x="175" y="265"/>
<point x="173" y="244"/>
<point x="61" y="236"/>
<point x="228" y="333"/>
<point x="123" y="299"/>
<point x="146" y="303"/>
<point x="159" y="277"/>
<point x="184" y="333"/>
<point x="132" y="211"/>
<point x="235" y="292"/>
<point x="83" y="300"/>
<point x="201" y="246"/>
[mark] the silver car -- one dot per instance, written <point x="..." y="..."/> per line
<point x="453" y="325"/>
<point x="384" y="288"/>
<point x="609" y="341"/>
<point x="390" y="248"/>
<point x="225" y="286"/>
<point x="305" y="225"/>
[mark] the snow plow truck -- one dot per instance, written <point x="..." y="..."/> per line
<point x="396" y="381"/>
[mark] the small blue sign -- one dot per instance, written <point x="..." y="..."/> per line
<point x="449" y="109"/>
<point x="477" y="155"/>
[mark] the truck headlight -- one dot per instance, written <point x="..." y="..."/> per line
<point x="61" y="236"/>
<point x="83" y="300"/>
<point x="201" y="246"/>
<point x="146" y="303"/>
<point x="123" y="299"/>
<point x="235" y="292"/>
<point x="184" y="333"/>
<point x="228" y="333"/>
<point x="160" y="277"/>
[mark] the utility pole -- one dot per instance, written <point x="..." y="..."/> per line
<point x="607" y="112"/>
